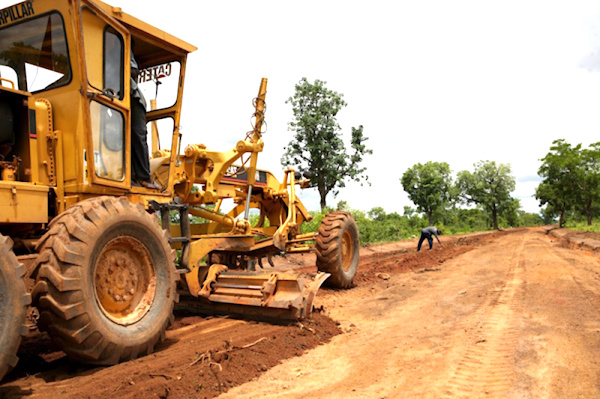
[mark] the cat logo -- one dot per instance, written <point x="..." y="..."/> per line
<point x="155" y="73"/>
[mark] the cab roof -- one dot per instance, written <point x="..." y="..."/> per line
<point x="149" y="33"/>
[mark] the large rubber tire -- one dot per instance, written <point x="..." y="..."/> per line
<point x="106" y="283"/>
<point x="13" y="306"/>
<point x="337" y="248"/>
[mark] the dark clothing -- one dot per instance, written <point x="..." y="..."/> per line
<point x="140" y="162"/>
<point x="423" y="237"/>
<point x="428" y="233"/>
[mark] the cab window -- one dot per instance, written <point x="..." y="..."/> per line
<point x="108" y="136"/>
<point x="34" y="54"/>
<point x="160" y="130"/>
<point x="104" y="55"/>
<point x="113" y="62"/>
<point x="160" y="84"/>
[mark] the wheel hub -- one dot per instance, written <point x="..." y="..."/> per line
<point x="124" y="280"/>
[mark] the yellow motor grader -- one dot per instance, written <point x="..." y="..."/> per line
<point x="99" y="262"/>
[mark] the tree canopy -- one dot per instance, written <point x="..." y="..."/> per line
<point x="429" y="186"/>
<point x="489" y="187"/>
<point x="317" y="146"/>
<point x="588" y="183"/>
<point x="570" y="180"/>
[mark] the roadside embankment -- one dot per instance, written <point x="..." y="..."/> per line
<point x="587" y="240"/>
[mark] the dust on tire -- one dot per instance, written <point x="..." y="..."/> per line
<point x="67" y="293"/>
<point x="13" y="306"/>
<point x="337" y="248"/>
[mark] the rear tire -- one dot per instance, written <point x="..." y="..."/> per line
<point x="106" y="283"/>
<point x="13" y="306"/>
<point x="337" y="249"/>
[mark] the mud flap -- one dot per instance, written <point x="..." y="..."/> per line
<point x="282" y="295"/>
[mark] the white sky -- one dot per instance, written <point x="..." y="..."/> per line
<point x="453" y="81"/>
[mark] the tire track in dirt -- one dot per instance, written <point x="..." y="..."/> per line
<point x="395" y="328"/>
<point x="592" y="298"/>
<point x="506" y="320"/>
<point x="487" y="366"/>
<point x="571" y="289"/>
<point x="589" y="298"/>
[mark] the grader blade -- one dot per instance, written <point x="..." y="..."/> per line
<point x="281" y="295"/>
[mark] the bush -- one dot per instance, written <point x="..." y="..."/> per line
<point x="378" y="226"/>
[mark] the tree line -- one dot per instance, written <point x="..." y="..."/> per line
<point x="376" y="225"/>
<point x="570" y="185"/>
<point x="431" y="188"/>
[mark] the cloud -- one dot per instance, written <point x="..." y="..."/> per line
<point x="529" y="178"/>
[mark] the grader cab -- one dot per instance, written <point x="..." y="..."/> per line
<point x="107" y="260"/>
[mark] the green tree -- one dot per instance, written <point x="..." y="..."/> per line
<point x="429" y="186"/>
<point x="489" y="187"/>
<point x="511" y="212"/>
<point x="530" y="219"/>
<point x="548" y="215"/>
<point x="377" y="213"/>
<point x="588" y="181"/>
<point x="559" y="173"/>
<point x="342" y="206"/>
<point x="318" y="146"/>
<point x="571" y="180"/>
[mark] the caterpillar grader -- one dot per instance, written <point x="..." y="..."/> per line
<point x="99" y="262"/>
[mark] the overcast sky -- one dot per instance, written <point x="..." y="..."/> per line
<point x="451" y="81"/>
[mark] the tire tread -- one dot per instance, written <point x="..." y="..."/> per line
<point x="14" y="273"/>
<point x="58" y="282"/>
<point x="328" y="248"/>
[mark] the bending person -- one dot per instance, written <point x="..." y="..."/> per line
<point x="428" y="233"/>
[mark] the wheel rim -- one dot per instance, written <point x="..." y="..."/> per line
<point x="124" y="280"/>
<point x="347" y="250"/>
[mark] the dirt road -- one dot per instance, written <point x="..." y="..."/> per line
<point x="514" y="314"/>
<point x="519" y="318"/>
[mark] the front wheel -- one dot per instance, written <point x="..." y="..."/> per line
<point x="337" y="248"/>
<point x="106" y="284"/>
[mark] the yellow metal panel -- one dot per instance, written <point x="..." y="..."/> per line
<point x="23" y="203"/>
<point x="163" y="37"/>
<point x="94" y="23"/>
<point x="45" y="157"/>
<point x="93" y="43"/>
<point x="67" y="117"/>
